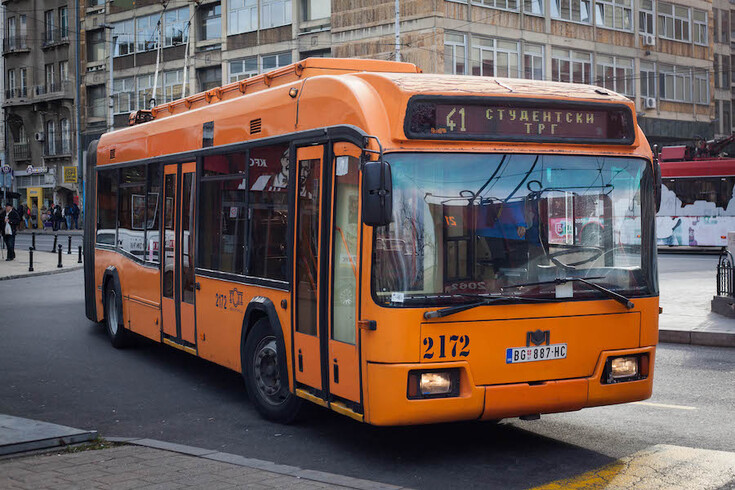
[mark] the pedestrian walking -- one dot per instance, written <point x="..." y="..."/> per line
<point x="56" y="217"/>
<point x="10" y="219"/>
<point x="67" y="216"/>
<point x="22" y="213"/>
<point x="75" y="215"/>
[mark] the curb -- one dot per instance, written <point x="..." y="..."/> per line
<point x="43" y="273"/>
<point x="258" y="464"/>
<point x="694" y="337"/>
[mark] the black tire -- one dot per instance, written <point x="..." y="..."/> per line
<point x="119" y="337"/>
<point x="266" y="376"/>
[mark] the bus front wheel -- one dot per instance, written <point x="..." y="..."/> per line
<point x="266" y="380"/>
<point x="119" y="337"/>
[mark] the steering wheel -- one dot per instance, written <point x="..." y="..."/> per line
<point x="595" y="253"/>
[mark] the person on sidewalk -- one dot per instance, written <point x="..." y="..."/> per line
<point x="75" y="215"/>
<point x="67" y="216"/>
<point x="57" y="217"/>
<point x="10" y="220"/>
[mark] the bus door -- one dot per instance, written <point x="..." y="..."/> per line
<point x="326" y="272"/>
<point x="177" y="301"/>
<point x="309" y="267"/>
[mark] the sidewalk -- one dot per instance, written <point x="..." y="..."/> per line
<point x="44" y="262"/>
<point x="134" y="463"/>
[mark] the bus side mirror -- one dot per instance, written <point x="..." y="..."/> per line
<point x="377" y="193"/>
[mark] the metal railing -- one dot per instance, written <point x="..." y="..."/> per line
<point x="16" y="43"/>
<point x="15" y="93"/>
<point x="56" y="147"/>
<point x="21" y="151"/>
<point x="726" y="275"/>
<point x="55" y="36"/>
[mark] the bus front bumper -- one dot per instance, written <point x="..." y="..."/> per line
<point x="389" y="403"/>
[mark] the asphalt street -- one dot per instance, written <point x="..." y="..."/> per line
<point x="59" y="367"/>
<point x="44" y="241"/>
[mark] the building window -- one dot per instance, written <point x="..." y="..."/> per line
<point x="23" y="82"/>
<point x="211" y="22"/>
<point x="274" y="13"/>
<point x="533" y="7"/>
<point x="50" y="138"/>
<point x="11" y="83"/>
<point x="147" y="32"/>
<point x="64" y="22"/>
<point x="242" y="16"/>
<point x="701" y="87"/>
<point x="646" y="24"/>
<point x="273" y="61"/>
<point x="48" y="26"/>
<point x="65" y="136"/>
<point x="573" y="10"/>
<point x="455" y="53"/>
<point x="11" y="35"/>
<point x="175" y="24"/>
<point x="614" y="14"/>
<point x="172" y="85"/>
<point x="49" y="75"/>
<point x="494" y="58"/>
<point x="568" y="65"/>
<point x="123" y="95"/>
<point x="716" y="23"/>
<point x="144" y="85"/>
<point x="726" y="117"/>
<point x="615" y="73"/>
<point x="123" y="36"/>
<point x="96" y="98"/>
<point x="245" y="68"/>
<point x="675" y="83"/>
<point x="96" y="45"/>
<point x="315" y="9"/>
<point x="716" y="69"/>
<point x="699" y="27"/>
<point x="209" y="78"/>
<point x="533" y="62"/>
<point x="725" y="24"/>
<point x="726" y="72"/>
<point x="673" y="22"/>
<point x="648" y="79"/>
<point x="63" y="71"/>
<point x="498" y="4"/>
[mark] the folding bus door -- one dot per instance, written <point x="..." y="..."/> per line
<point x="177" y="294"/>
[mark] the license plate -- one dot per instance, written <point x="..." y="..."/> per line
<point x="535" y="353"/>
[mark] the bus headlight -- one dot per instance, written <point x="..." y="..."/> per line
<point x="433" y="384"/>
<point x="625" y="368"/>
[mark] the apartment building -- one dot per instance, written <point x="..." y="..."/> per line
<point x="38" y="103"/>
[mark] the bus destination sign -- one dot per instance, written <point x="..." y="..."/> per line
<point x="519" y="120"/>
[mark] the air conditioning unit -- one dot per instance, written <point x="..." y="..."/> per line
<point x="649" y="40"/>
<point x="649" y="102"/>
<point x="40" y="136"/>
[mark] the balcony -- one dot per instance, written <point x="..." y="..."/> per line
<point x="21" y="151"/>
<point x="17" y="44"/>
<point x="57" y="147"/>
<point x="55" y="37"/>
<point x="52" y="91"/>
<point x="16" y="93"/>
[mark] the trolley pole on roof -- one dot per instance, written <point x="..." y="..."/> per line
<point x="398" y="30"/>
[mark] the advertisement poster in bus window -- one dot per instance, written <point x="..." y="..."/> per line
<point x="152" y="209"/>
<point x="269" y="169"/>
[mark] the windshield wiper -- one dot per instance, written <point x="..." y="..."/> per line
<point x="487" y="300"/>
<point x="609" y="292"/>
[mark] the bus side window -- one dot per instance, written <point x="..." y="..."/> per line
<point x="268" y="212"/>
<point x="152" y="209"/>
<point x="223" y="213"/>
<point x="106" y="207"/>
<point x="131" y="212"/>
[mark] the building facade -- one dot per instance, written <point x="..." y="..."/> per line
<point x="673" y="58"/>
<point x="38" y="103"/>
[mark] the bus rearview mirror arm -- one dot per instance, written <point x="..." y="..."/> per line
<point x="657" y="180"/>
<point x="377" y="193"/>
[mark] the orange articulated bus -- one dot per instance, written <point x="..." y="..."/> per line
<point x="399" y="247"/>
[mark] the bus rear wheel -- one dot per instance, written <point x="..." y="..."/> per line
<point x="266" y="379"/>
<point x="119" y="337"/>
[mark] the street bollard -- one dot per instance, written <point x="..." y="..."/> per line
<point x="56" y="238"/>
<point x="79" y="260"/>
<point x="68" y="252"/>
<point x="33" y="240"/>
<point x="59" y="264"/>
<point x="30" y="259"/>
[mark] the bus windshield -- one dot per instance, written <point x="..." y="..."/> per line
<point x="467" y="225"/>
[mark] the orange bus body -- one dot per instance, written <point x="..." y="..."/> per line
<point x="374" y="372"/>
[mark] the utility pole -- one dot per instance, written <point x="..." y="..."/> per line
<point x="110" y="105"/>
<point x="398" y="31"/>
